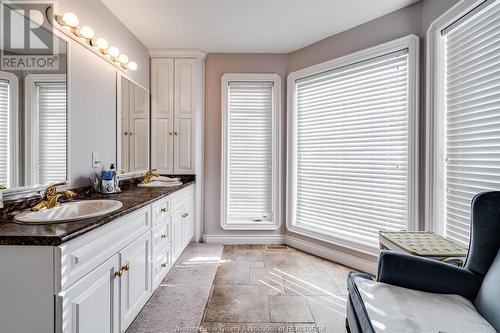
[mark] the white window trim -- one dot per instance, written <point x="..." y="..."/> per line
<point x="13" y="126"/>
<point x="276" y="187"/>
<point x="31" y="114"/>
<point x="434" y="145"/>
<point x="410" y="42"/>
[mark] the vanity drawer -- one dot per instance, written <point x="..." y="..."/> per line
<point x="79" y="256"/>
<point x="161" y="236"/>
<point x="161" y="210"/>
<point x="181" y="198"/>
<point x="161" y="266"/>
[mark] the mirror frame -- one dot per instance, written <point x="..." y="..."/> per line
<point x="133" y="174"/>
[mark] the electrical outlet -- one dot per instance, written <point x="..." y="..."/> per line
<point x="96" y="160"/>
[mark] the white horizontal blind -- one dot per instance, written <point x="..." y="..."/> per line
<point x="249" y="152"/>
<point x="4" y="132"/>
<point x="472" y="116"/>
<point x="51" y="131"/>
<point x="352" y="150"/>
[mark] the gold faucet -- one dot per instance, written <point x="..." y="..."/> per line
<point x="50" y="197"/>
<point x="149" y="175"/>
<point x="3" y="187"/>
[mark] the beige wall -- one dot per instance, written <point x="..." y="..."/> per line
<point x="216" y="65"/>
<point x="414" y="19"/>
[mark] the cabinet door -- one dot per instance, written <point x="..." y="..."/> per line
<point x="177" y="235"/>
<point x="184" y="106"/>
<point x="125" y="125"/>
<point x="162" y="111"/>
<point x="135" y="282"/>
<point x="139" y="129"/>
<point x="91" y="304"/>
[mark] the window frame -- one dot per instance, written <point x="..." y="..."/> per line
<point x="410" y="42"/>
<point x="435" y="114"/>
<point x="13" y="126"/>
<point x="31" y="113"/>
<point x="275" y="79"/>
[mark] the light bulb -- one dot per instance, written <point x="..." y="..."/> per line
<point x="132" y="66"/>
<point x="123" y="59"/>
<point x="100" y="43"/>
<point x="85" y="32"/>
<point x="113" y="52"/>
<point x="69" y="19"/>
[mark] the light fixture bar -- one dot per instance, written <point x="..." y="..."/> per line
<point x="86" y="35"/>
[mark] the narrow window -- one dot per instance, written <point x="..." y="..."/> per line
<point x="250" y="137"/>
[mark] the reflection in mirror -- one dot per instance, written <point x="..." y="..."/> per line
<point x="134" y="123"/>
<point x="33" y="107"/>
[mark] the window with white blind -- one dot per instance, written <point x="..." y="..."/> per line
<point x="47" y="154"/>
<point x="353" y="146"/>
<point x="8" y="133"/>
<point x="466" y="118"/>
<point x="250" y="151"/>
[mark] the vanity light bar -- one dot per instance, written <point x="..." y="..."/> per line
<point x="100" y="44"/>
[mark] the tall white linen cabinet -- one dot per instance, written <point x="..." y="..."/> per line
<point x="177" y="99"/>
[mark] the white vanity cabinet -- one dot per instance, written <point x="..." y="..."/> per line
<point x="97" y="282"/>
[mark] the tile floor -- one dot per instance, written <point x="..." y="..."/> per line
<point x="247" y="288"/>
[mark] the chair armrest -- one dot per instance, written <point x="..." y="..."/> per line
<point x="427" y="275"/>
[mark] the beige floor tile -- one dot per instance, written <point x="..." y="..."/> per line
<point x="256" y="264"/>
<point x="269" y="278"/>
<point x="329" y="312"/>
<point x="289" y="309"/>
<point x="250" y="254"/>
<point x="238" y="303"/>
<point x="233" y="272"/>
<point x="308" y="281"/>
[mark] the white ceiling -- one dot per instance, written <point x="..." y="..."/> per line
<point x="260" y="26"/>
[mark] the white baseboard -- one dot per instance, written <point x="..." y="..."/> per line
<point x="361" y="264"/>
<point x="244" y="239"/>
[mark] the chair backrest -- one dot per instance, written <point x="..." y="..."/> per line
<point x="487" y="301"/>
<point x="484" y="254"/>
<point x="485" y="232"/>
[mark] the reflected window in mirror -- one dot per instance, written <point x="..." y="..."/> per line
<point x="46" y="128"/>
<point x="8" y="125"/>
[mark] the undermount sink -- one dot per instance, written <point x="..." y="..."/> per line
<point x="69" y="211"/>
<point x="160" y="184"/>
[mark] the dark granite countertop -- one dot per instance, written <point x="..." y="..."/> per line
<point x="132" y="197"/>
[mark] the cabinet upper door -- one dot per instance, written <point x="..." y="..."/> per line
<point x="135" y="291"/>
<point x="91" y="304"/>
<point x="162" y="111"/>
<point x="184" y="106"/>
<point x="139" y="129"/>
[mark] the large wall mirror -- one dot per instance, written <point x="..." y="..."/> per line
<point x="33" y="102"/>
<point x="133" y="127"/>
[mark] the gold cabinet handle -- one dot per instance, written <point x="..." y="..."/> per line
<point x="126" y="267"/>
<point x="164" y="210"/>
<point x="164" y="265"/>
<point x="125" y="133"/>
<point x="163" y="236"/>
<point x="185" y="215"/>
<point x="170" y="133"/>
<point x="130" y="133"/>
<point x="175" y="132"/>
<point x="119" y="273"/>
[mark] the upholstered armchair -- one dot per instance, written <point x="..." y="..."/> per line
<point x="413" y="294"/>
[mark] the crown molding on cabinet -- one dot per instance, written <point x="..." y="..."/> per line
<point x="177" y="53"/>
